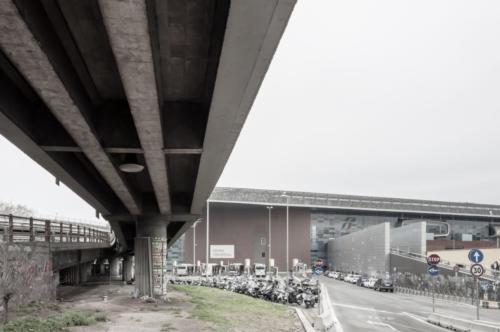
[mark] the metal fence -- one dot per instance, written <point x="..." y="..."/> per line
<point x="461" y="287"/>
<point x="29" y="229"/>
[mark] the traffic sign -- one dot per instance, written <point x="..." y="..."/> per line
<point x="433" y="259"/>
<point x="476" y="256"/>
<point x="433" y="270"/>
<point x="318" y="270"/>
<point x="456" y="268"/>
<point x="477" y="270"/>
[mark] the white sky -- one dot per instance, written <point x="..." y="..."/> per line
<point x="390" y="98"/>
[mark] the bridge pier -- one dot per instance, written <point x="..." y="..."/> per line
<point x="128" y="268"/>
<point x="115" y="268"/>
<point x="151" y="256"/>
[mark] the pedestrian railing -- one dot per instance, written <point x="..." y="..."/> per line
<point x="489" y="274"/>
<point x="30" y="229"/>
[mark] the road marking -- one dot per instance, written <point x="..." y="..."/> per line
<point x="487" y="322"/>
<point x="382" y="324"/>
<point x="362" y="308"/>
<point x="418" y="318"/>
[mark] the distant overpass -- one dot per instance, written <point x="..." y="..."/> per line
<point x="135" y="104"/>
<point x="37" y="255"/>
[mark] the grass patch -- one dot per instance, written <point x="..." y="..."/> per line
<point x="229" y="310"/>
<point x="54" y="323"/>
<point x="167" y="327"/>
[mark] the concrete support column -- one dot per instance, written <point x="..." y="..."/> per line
<point x="85" y="272"/>
<point x="128" y="268"/>
<point x="115" y="267"/>
<point x="151" y="256"/>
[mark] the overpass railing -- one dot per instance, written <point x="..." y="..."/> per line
<point x="30" y="229"/>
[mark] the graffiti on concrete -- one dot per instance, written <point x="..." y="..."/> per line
<point x="159" y="260"/>
<point x="26" y="271"/>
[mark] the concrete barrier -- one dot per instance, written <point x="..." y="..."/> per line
<point x="327" y="314"/>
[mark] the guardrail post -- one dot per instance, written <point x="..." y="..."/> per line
<point x="61" y="232"/>
<point x="47" y="230"/>
<point x="32" y="233"/>
<point x="11" y="228"/>
<point x="78" y="233"/>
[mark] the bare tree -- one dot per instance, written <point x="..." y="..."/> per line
<point x="16" y="209"/>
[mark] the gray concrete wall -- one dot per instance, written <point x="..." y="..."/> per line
<point x="26" y="271"/>
<point x="365" y="251"/>
<point x="410" y="238"/>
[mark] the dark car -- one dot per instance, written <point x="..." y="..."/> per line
<point x="384" y="285"/>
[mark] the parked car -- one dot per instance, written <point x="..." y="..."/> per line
<point x="355" y="278"/>
<point x="370" y="283"/>
<point x="361" y="281"/>
<point x="384" y="285"/>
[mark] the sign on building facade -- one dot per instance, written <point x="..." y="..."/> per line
<point x="222" y="251"/>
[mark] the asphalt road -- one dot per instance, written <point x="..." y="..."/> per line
<point x="362" y="309"/>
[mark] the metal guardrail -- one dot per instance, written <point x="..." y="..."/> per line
<point x="489" y="274"/>
<point x="29" y="229"/>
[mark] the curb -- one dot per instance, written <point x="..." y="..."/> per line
<point x="462" y="325"/>
<point x="305" y="323"/>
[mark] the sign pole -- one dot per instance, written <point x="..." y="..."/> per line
<point x="433" y="270"/>
<point x="476" y="256"/>
<point x="433" y="296"/>
<point x="477" y="298"/>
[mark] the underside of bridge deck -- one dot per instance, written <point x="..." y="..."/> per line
<point x="95" y="90"/>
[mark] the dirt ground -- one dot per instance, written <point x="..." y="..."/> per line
<point x="187" y="309"/>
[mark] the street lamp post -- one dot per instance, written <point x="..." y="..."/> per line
<point x="287" y="231"/>
<point x="269" y="208"/>
<point x="194" y="243"/>
<point x="208" y="228"/>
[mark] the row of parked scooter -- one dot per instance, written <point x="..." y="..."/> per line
<point x="276" y="289"/>
<point x="378" y="284"/>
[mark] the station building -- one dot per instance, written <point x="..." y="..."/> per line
<point x="239" y="221"/>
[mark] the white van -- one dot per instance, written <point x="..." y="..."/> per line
<point x="259" y="270"/>
<point x="182" y="270"/>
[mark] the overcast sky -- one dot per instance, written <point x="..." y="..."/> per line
<point x="388" y="98"/>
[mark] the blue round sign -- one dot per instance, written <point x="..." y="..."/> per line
<point x="476" y="256"/>
<point x="433" y="270"/>
<point x="318" y="270"/>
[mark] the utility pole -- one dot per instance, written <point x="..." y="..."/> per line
<point x="269" y="208"/>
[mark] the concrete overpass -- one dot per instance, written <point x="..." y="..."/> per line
<point x="135" y="105"/>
